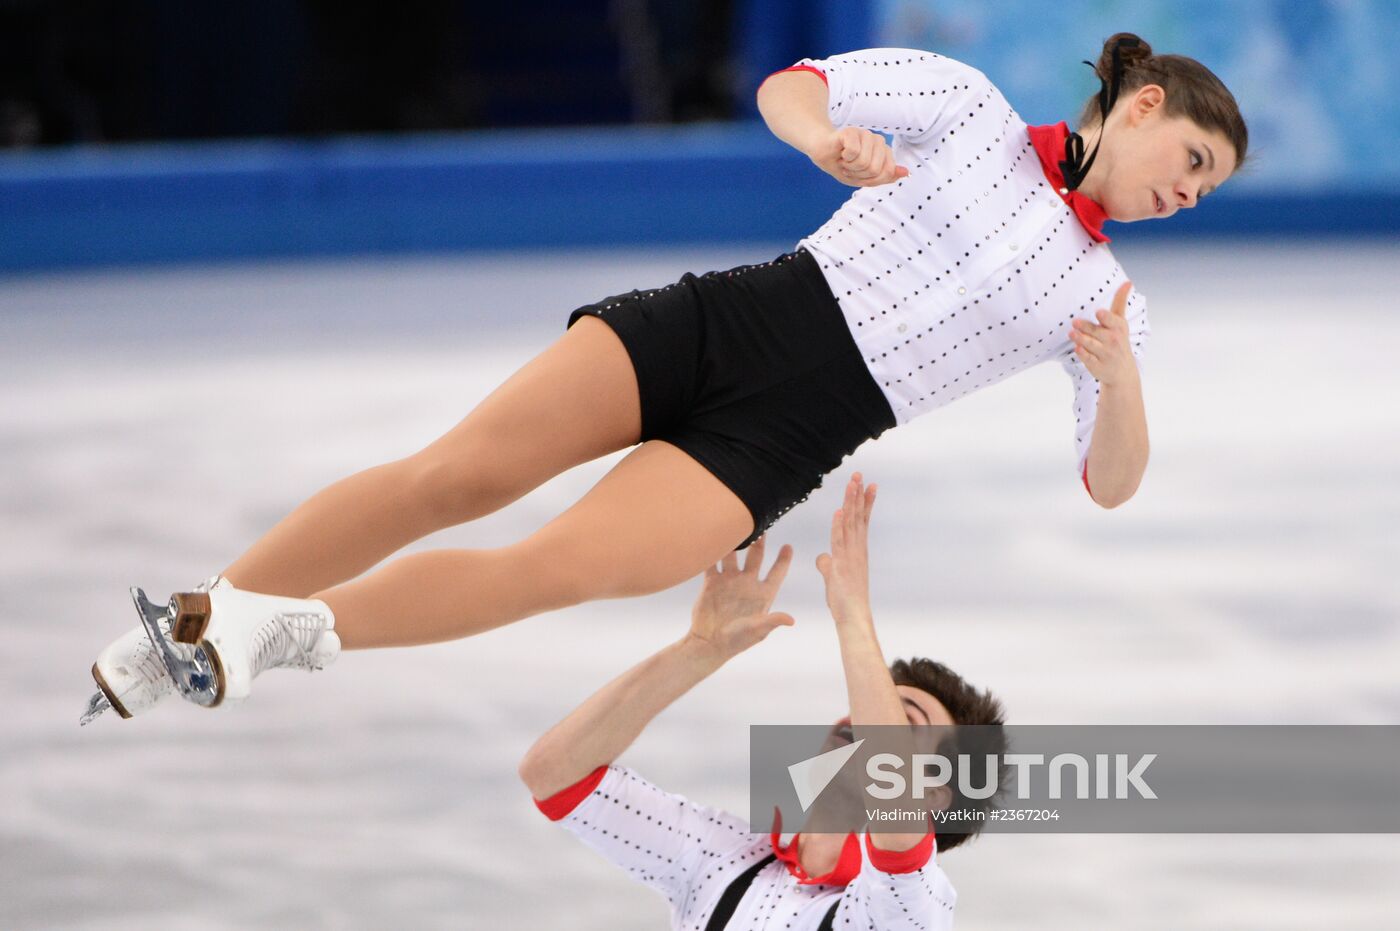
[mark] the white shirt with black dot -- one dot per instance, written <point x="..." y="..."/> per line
<point x="691" y="853"/>
<point x="971" y="268"/>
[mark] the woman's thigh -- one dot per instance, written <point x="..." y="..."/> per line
<point x="574" y="402"/>
<point x="657" y="519"/>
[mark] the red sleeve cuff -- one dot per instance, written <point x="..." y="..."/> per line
<point x="1086" y="478"/>
<point x="817" y="71"/>
<point x="559" y="804"/>
<point x="901" y="861"/>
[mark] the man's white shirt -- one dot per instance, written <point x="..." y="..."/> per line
<point x="691" y="853"/>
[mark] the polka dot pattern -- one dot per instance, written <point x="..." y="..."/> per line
<point x="971" y="268"/>
<point x="690" y="854"/>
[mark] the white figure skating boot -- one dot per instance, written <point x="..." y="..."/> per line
<point x="211" y="643"/>
<point x="131" y="673"/>
<point x="241" y="634"/>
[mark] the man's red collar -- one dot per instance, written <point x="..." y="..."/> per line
<point x="847" y="865"/>
<point x="1049" y="142"/>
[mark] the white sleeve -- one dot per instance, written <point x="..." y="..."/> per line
<point x="920" y="899"/>
<point x="660" y="839"/>
<point x="903" y="92"/>
<point x="1086" y="386"/>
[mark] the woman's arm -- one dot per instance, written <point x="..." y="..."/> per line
<point x="1118" y="455"/>
<point x="794" y="105"/>
<point x="1118" y="452"/>
<point x="732" y="614"/>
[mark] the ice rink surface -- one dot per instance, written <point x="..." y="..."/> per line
<point x="154" y="423"/>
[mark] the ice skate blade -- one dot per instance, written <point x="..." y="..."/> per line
<point x="199" y="680"/>
<point x="97" y="704"/>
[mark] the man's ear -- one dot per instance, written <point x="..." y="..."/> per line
<point x="1146" y="100"/>
<point x="939" y="799"/>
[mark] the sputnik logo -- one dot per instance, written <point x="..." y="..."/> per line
<point x="814" y="774"/>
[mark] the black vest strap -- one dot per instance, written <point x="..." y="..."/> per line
<point x="735" y="894"/>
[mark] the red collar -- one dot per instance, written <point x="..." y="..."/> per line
<point x="1049" y="142"/>
<point x="847" y="865"/>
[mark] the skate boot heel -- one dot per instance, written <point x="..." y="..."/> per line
<point x="107" y="693"/>
<point x="190" y="611"/>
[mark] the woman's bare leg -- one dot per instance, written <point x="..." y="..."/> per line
<point x="574" y="402"/>
<point x="657" y="519"/>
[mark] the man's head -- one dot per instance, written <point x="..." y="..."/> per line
<point x="935" y="696"/>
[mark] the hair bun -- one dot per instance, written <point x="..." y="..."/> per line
<point x="1130" y="55"/>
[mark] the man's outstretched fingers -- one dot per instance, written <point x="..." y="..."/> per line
<point x="862" y="519"/>
<point x="753" y="559"/>
<point x="781" y="619"/>
<point x="780" y="567"/>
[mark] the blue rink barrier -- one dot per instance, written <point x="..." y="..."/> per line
<point x="627" y="186"/>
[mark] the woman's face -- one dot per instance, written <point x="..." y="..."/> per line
<point x="1150" y="165"/>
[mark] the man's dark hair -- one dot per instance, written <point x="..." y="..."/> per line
<point x="969" y="708"/>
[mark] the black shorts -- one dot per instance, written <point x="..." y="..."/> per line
<point x="754" y="374"/>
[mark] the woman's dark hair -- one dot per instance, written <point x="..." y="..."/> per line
<point x="979" y="718"/>
<point x="1193" y="90"/>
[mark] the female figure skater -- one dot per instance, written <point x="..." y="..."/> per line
<point x="970" y="250"/>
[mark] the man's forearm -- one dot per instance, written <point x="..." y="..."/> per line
<point x="869" y="687"/>
<point x="874" y="700"/>
<point x="793" y="104"/>
<point x="1118" y="452"/>
<point x="597" y="732"/>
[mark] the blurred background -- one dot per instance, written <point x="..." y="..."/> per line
<point x="296" y="239"/>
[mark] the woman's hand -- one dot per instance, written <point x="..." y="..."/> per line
<point x="1105" y="349"/>
<point x="733" y="610"/>
<point x="846" y="568"/>
<point x="857" y="157"/>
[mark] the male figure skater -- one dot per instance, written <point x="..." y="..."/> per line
<point x="713" y="871"/>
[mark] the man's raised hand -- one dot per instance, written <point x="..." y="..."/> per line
<point x="734" y="610"/>
<point x="846" y="568"/>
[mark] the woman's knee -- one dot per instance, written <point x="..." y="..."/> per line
<point x="450" y="487"/>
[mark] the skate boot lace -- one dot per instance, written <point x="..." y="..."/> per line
<point x="301" y="631"/>
<point x="147" y="664"/>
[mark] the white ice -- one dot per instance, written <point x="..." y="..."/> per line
<point x="153" y="423"/>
